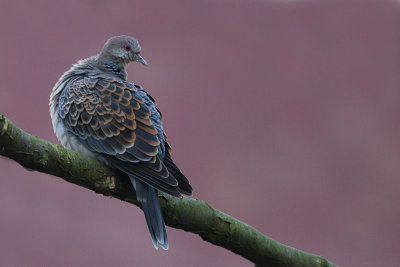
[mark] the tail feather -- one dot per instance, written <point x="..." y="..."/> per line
<point x="147" y="195"/>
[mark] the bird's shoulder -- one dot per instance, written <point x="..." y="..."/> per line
<point x="104" y="92"/>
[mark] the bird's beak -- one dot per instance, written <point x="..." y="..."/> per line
<point x="141" y="60"/>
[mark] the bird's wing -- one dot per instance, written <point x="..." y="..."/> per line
<point x="110" y="118"/>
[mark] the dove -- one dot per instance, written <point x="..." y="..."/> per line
<point x="96" y="111"/>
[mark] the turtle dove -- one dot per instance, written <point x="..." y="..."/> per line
<point x="96" y="111"/>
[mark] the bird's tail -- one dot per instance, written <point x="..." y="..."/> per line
<point x="147" y="195"/>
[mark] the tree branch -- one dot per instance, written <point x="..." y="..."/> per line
<point x="189" y="214"/>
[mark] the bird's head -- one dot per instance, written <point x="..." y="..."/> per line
<point x="122" y="50"/>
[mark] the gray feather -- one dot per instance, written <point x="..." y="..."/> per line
<point x="152" y="212"/>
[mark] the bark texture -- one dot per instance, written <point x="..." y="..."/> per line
<point x="188" y="214"/>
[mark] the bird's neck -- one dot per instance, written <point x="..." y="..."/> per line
<point x="116" y="68"/>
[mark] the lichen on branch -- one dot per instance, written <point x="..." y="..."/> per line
<point x="184" y="213"/>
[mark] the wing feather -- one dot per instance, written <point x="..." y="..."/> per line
<point x="112" y="119"/>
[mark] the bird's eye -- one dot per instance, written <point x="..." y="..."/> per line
<point x="127" y="48"/>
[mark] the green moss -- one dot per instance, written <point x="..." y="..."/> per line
<point x="184" y="213"/>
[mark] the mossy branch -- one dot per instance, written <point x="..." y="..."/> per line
<point x="189" y="214"/>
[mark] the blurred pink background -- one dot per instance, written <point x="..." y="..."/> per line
<point x="283" y="114"/>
